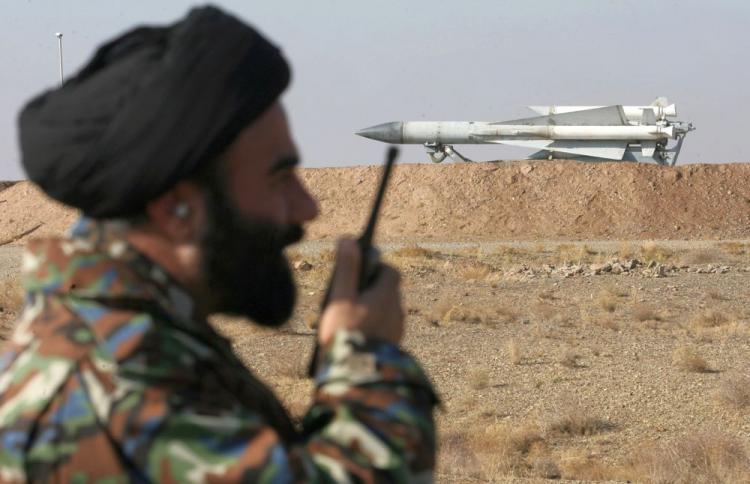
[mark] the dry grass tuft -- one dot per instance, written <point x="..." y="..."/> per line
<point x="688" y="359"/>
<point x="735" y="248"/>
<point x="475" y="271"/>
<point x="504" y="315"/>
<point x="441" y="311"/>
<point x="447" y="311"/>
<point x="483" y="452"/>
<point x="574" y="253"/>
<point x="456" y="460"/>
<point x="625" y="251"/>
<point x="572" y="419"/>
<point x="716" y="295"/>
<point x="702" y="458"/>
<point x="11" y="295"/>
<point x="544" y="311"/>
<point x="652" y="251"/>
<point x="579" y="465"/>
<point x="710" y="318"/>
<point x="734" y="391"/>
<point x="479" y="378"/>
<point x="618" y="291"/>
<point x="414" y="252"/>
<point x="642" y="312"/>
<point x="546" y="295"/>
<point x="509" y="253"/>
<point x="545" y="467"/>
<point x="570" y="359"/>
<point x="504" y="450"/>
<point x="701" y="256"/>
<point x="514" y="352"/>
<point x="605" y="321"/>
<point x="607" y="301"/>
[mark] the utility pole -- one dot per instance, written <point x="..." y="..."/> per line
<point x="59" y="36"/>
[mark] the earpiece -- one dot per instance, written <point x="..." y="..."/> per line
<point x="182" y="210"/>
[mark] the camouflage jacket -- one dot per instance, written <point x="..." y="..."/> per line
<point x="109" y="377"/>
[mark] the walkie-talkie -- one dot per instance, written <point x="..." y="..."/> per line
<point x="370" y="264"/>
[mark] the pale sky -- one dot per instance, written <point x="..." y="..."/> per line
<point x="359" y="63"/>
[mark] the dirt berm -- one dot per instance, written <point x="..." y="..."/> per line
<point x="492" y="201"/>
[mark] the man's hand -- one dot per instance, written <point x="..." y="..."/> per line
<point x="377" y="312"/>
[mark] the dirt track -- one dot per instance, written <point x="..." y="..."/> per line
<point x="493" y="201"/>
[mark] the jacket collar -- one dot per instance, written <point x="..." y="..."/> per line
<point x="96" y="262"/>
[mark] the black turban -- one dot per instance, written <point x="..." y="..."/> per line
<point x="148" y="110"/>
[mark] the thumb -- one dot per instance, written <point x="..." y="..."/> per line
<point x="346" y="275"/>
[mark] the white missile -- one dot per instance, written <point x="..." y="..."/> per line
<point x="637" y="133"/>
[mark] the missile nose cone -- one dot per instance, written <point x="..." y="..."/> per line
<point x="386" y="132"/>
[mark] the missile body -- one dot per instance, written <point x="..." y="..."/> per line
<point x="632" y="133"/>
<point x="475" y="132"/>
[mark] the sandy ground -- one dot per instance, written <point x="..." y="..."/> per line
<point x="569" y="348"/>
<point x="521" y="337"/>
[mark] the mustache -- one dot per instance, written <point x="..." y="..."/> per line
<point x="291" y="234"/>
<point x="271" y="235"/>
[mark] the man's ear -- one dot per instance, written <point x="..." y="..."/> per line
<point x="179" y="214"/>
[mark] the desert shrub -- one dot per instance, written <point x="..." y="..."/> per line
<point x="574" y="253"/>
<point x="734" y="391"/>
<point x="701" y="256"/>
<point x="735" y="248"/>
<point x="715" y="295"/>
<point x="651" y="251"/>
<point x="703" y="458"/>
<point x="569" y="359"/>
<point x="572" y="419"/>
<point x="642" y="312"/>
<point x="625" y="251"/>
<point x="479" y="378"/>
<point x="11" y="295"/>
<point x="604" y="321"/>
<point x="687" y="359"/>
<point x="579" y="465"/>
<point x="546" y="295"/>
<point x="607" y="301"/>
<point x="514" y="352"/>
<point x="447" y="311"/>
<point x="475" y="271"/>
<point x="489" y="451"/>
<point x="710" y="318"/>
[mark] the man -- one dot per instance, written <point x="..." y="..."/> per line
<point x="174" y="145"/>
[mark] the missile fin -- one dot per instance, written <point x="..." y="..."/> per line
<point x="608" y="150"/>
<point x="542" y="110"/>
<point x="546" y="110"/>
<point x="661" y="101"/>
<point x="606" y="116"/>
<point x="648" y="117"/>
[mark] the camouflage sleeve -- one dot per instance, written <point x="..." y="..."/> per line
<point x="372" y="414"/>
<point x="371" y="421"/>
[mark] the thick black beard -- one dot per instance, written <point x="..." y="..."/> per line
<point x="244" y="263"/>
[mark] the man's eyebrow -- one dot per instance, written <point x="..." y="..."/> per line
<point x="283" y="164"/>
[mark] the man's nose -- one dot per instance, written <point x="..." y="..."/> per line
<point x="305" y="207"/>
